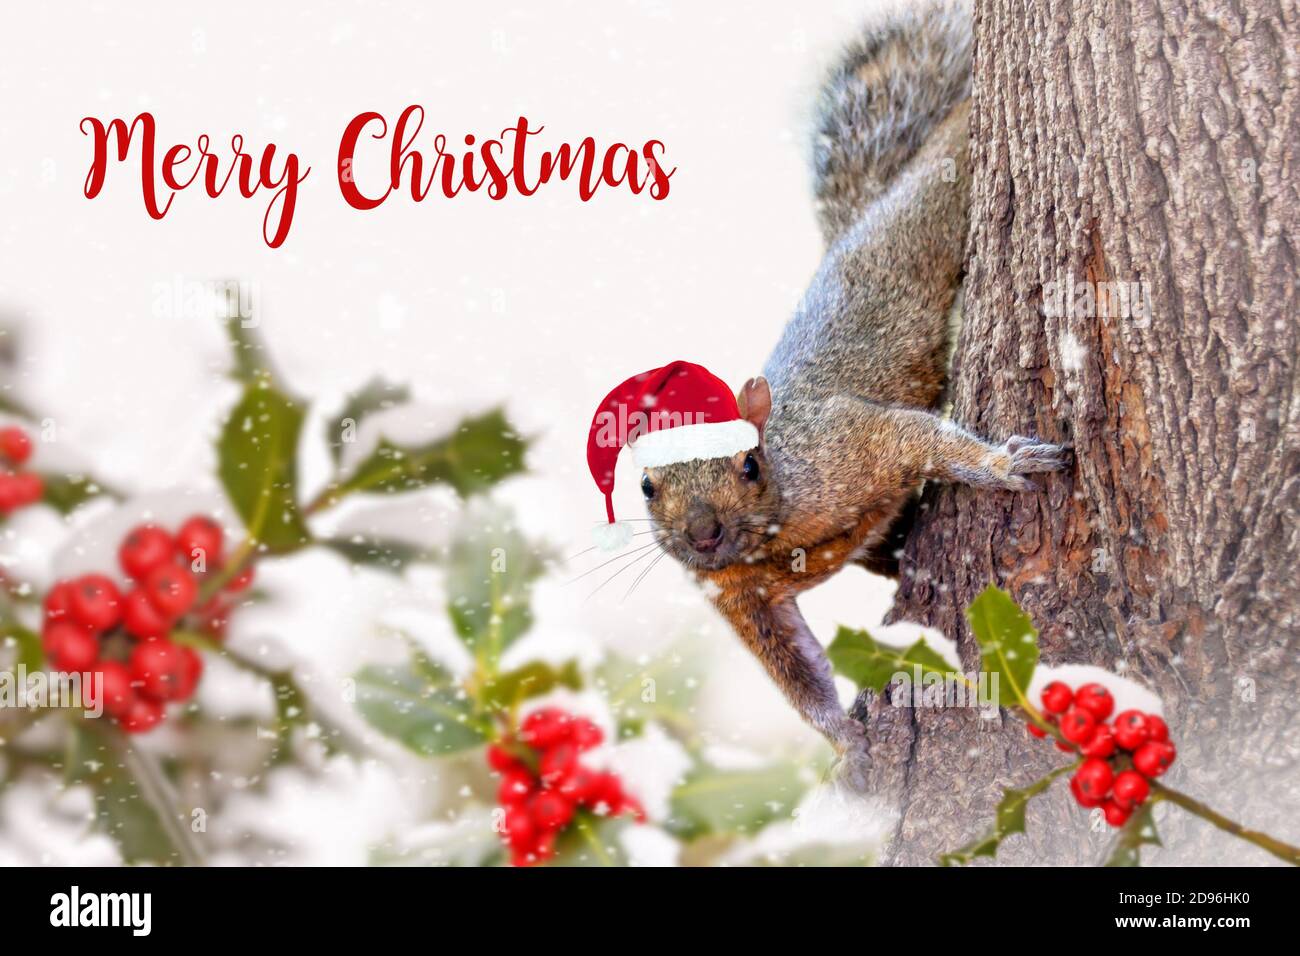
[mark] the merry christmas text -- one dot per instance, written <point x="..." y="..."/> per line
<point x="511" y="162"/>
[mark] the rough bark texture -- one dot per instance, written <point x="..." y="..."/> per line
<point x="1151" y="142"/>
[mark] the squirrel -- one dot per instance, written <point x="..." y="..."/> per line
<point x="846" y="406"/>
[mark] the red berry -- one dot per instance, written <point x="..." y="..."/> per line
<point x="516" y="787"/>
<point x="1035" y="731"/>
<point x="1131" y="730"/>
<point x="69" y="648"/>
<point x="544" y="846"/>
<point x="519" y="828"/>
<point x="1094" y="778"/>
<point x="10" y="493"/>
<point x="1130" y="788"/>
<point x="213" y="617"/>
<point x="145" y="547"/>
<point x="14" y="444"/>
<point x="1081" y="798"/>
<point x="1154" y="757"/>
<point x="95" y="602"/>
<point x="545" y="728"/>
<point x="502" y="760"/>
<point x="551" y="810"/>
<point x="171" y="590"/>
<point x="1057" y="697"/>
<point x="586" y="735"/>
<point x="58" y="602"/>
<point x="607" y="789"/>
<point x="200" y="536"/>
<point x="1077" y="725"/>
<point x="141" y="618"/>
<point x="1157" y="727"/>
<point x="142" y="716"/>
<point x="1116" y="815"/>
<point x="558" y="762"/>
<point x="28" y="488"/>
<point x="163" y="670"/>
<point x="580" y="786"/>
<point x="1100" y="744"/>
<point x="240" y="581"/>
<point x="112" y="683"/>
<point x="1095" y="699"/>
<point x="191" y="672"/>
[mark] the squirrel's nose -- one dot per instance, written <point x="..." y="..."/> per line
<point x="705" y="533"/>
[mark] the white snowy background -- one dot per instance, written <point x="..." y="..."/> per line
<point x="543" y="302"/>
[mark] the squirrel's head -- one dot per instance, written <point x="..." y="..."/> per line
<point x="718" y="511"/>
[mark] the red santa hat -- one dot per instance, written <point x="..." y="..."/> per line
<point x="680" y="412"/>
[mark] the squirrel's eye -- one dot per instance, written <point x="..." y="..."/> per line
<point x="751" y="468"/>
<point x="647" y="487"/>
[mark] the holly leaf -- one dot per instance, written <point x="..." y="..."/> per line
<point x="1009" y="819"/>
<point x="375" y="396"/>
<point x="662" y="689"/>
<point x="591" y="840"/>
<point x="258" y="465"/>
<point x="251" y="359"/>
<point x="709" y="800"/>
<point x="66" y="493"/>
<point x="1139" y="831"/>
<point x="531" y="680"/>
<point x="1008" y="643"/>
<point x="428" y="718"/>
<point x="384" y="554"/>
<point x="491" y="569"/>
<point x="29" y="654"/>
<point x="121" y="810"/>
<point x="483" y="451"/>
<point x="871" y="665"/>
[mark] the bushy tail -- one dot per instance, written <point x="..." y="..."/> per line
<point x="891" y="87"/>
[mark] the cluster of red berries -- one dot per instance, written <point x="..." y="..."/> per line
<point x="122" y="639"/>
<point x="543" y="783"/>
<point x="18" y="489"/>
<point x="1119" y="757"/>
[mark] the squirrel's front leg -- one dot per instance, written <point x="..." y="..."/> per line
<point x="927" y="446"/>
<point x="776" y="633"/>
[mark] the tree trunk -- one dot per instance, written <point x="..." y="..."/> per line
<point x="1153" y="143"/>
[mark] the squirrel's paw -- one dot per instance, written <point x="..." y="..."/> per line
<point x="1028" y="456"/>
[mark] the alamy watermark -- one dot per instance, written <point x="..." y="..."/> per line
<point x="928" y="688"/>
<point x="203" y="300"/>
<point x="40" y="690"/>
<point x="1086" y="300"/>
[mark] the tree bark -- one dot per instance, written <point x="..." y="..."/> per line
<point x="1153" y="142"/>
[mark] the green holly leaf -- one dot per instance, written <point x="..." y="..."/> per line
<point x="383" y="554"/>
<point x="66" y="493"/>
<point x="1008" y="643"/>
<point x="480" y="453"/>
<point x="427" y="717"/>
<point x="1139" y="831"/>
<point x="250" y="358"/>
<point x="258" y="465"/>
<point x="491" y="569"/>
<point x="1009" y="819"/>
<point x="531" y="680"/>
<point x="711" y="801"/>
<point x="661" y="689"/>
<point x="856" y="655"/>
<point x="27" y="644"/>
<point x="121" y="811"/>
<point x="591" y="840"/>
<point x="375" y="396"/>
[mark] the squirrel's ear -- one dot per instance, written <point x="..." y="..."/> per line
<point x="755" y="402"/>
